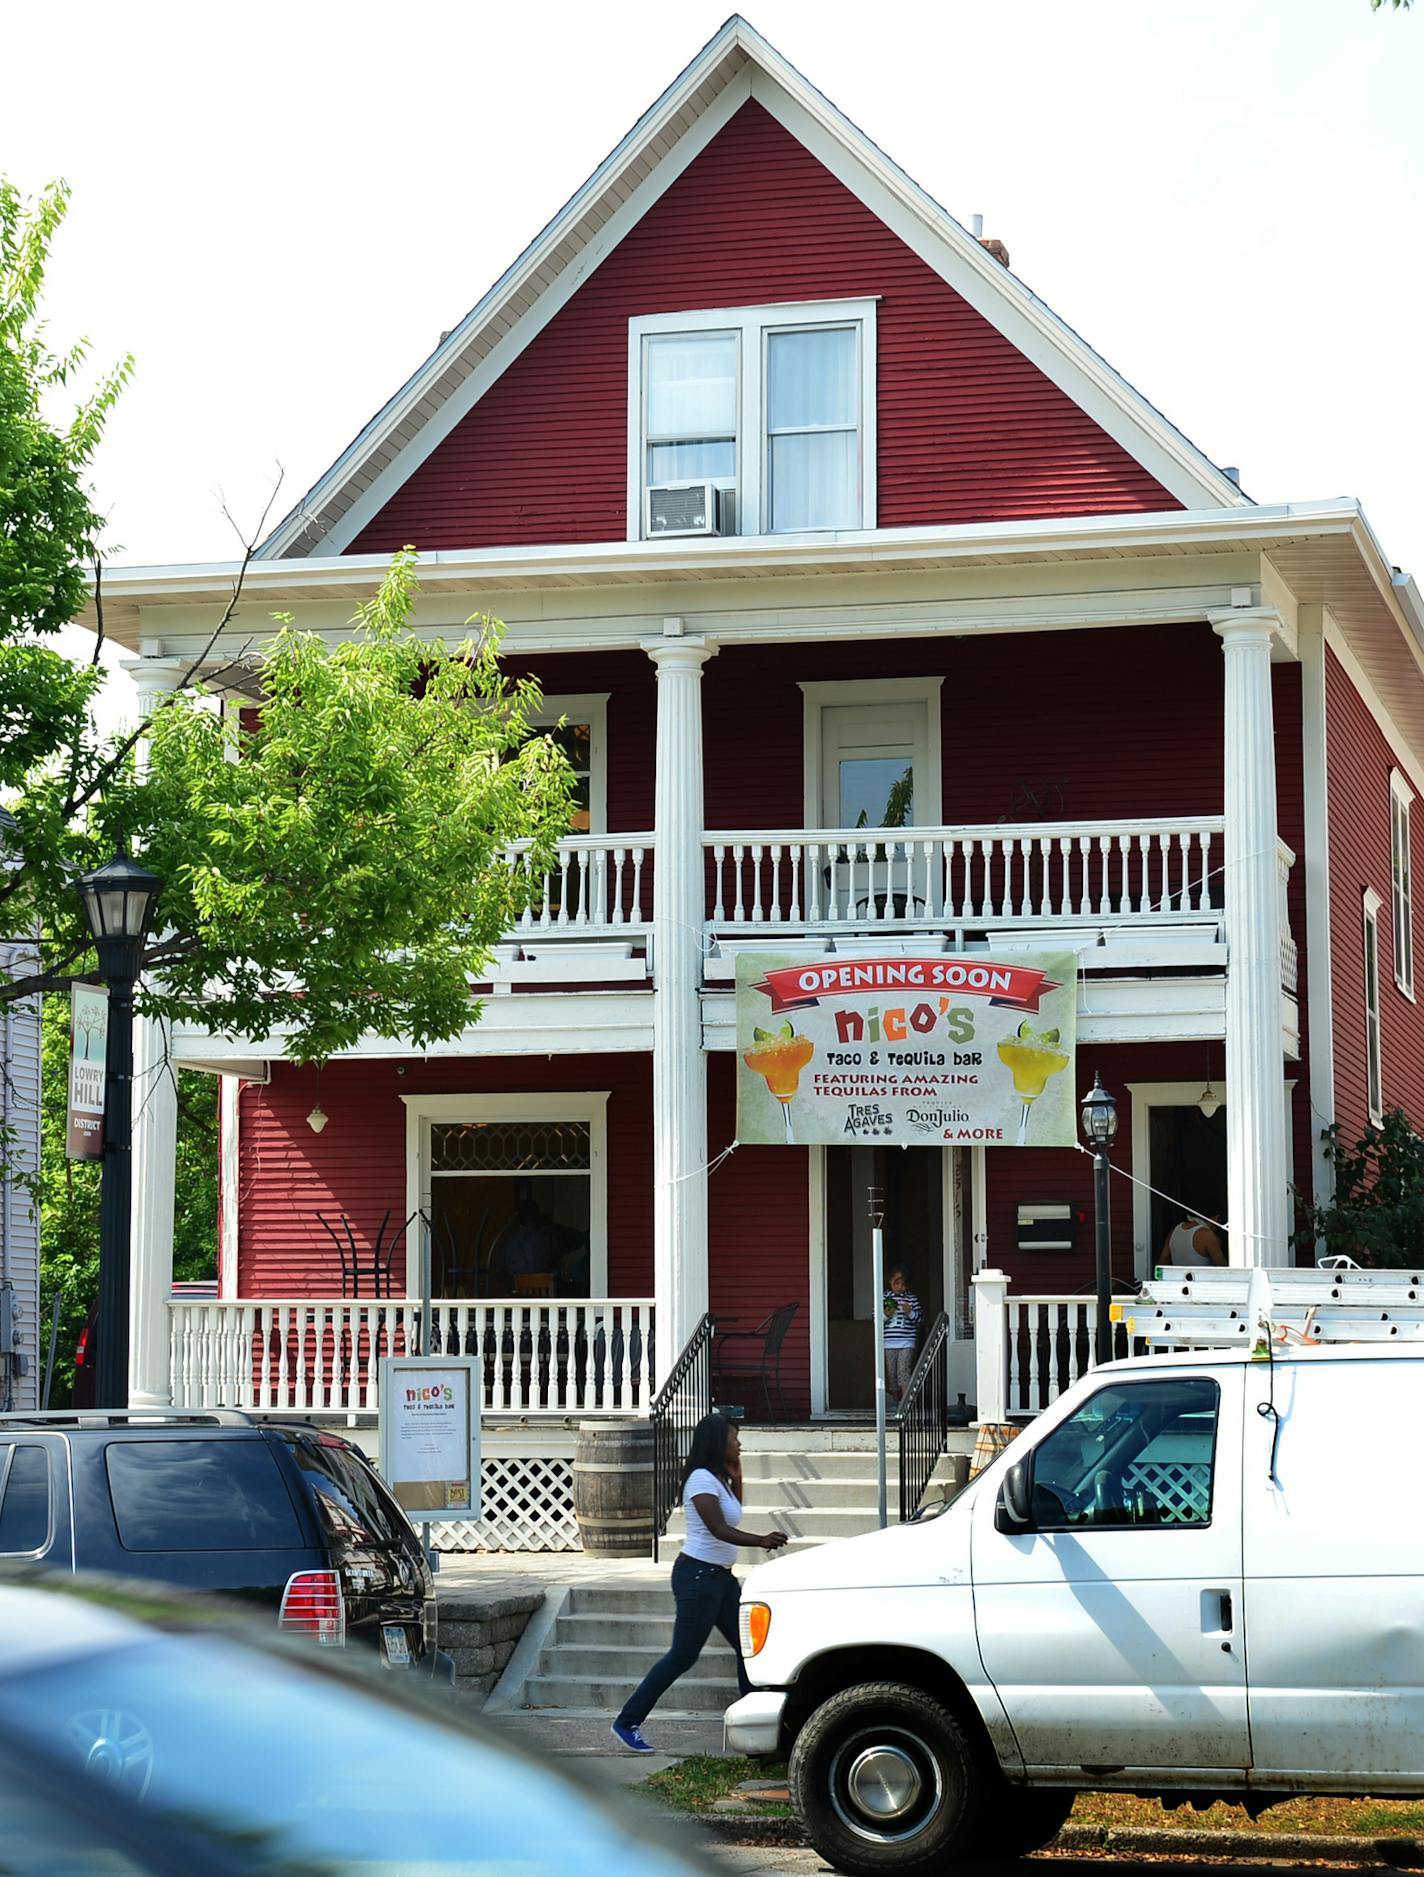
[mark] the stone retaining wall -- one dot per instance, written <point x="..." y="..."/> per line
<point x="480" y="1632"/>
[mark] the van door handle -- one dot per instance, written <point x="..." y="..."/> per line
<point x="1216" y="1613"/>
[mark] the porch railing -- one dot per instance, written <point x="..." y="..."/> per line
<point x="1029" y="1349"/>
<point x="321" y="1355"/>
<point x="678" y="1406"/>
<point x="598" y="883"/>
<point x="923" y="1420"/>
<point x="818" y="879"/>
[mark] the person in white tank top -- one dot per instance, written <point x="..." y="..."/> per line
<point x="1194" y="1241"/>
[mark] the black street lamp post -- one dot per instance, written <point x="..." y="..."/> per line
<point x="118" y="903"/>
<point x="1100" y="1131"/>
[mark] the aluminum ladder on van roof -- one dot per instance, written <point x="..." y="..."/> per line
<point x="1205" y="1307"/>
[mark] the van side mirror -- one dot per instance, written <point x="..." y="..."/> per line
<point x="1014" y="1512"/>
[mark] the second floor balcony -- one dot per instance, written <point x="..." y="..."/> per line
<point x="1145" y="892"/>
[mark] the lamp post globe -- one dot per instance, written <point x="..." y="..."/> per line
<point x="119" y="900"/>
<point x="1099" y="1117"/>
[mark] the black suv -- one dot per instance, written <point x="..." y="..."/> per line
<point x="283" y="1515"/>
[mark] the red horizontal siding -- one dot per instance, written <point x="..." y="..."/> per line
<point x="631" y="681"/>
<point x="969" y="429"/>
<point x="1358" y="764"/>
<point x="1126" y="721"/>
<point x="356" y="1166"/>
<point x="759" y="1232"/>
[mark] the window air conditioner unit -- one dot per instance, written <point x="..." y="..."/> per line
<point x="682" y="508"/>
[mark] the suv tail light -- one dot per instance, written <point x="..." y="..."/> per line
<point x="312" y="1605"/>
<point x="83" y="1347"/>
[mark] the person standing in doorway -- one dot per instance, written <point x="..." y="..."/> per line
<point x="903" y="1317"/>
<point x="705" y="1593"/>
<point x="1194" y="1241"/>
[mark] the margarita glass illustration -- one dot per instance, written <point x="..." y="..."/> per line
<point x="1031" y="1056"/>
<point x="780" y="1055"/>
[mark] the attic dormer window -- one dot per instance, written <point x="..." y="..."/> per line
<point x="752" y="420"/>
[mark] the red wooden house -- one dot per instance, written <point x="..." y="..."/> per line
<point x="788" y="489"/>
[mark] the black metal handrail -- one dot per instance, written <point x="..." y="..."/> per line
<point x="675" y="1410"/>
<point x="923" y="1418"/>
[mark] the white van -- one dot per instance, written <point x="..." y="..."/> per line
<point x="1192" y="1577"/>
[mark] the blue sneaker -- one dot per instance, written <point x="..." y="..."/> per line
<point x="630" y="1738"/>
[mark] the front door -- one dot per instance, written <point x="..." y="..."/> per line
<point x="1113" y="1633"/>
<point x="911" y="1181"/>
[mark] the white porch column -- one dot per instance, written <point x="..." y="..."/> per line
<point x="679" y="1062"/>
<point x="1255" y="1060"/>
<point x="155" y="1145"/>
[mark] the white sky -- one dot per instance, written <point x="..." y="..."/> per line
<point x="279" y="208"/>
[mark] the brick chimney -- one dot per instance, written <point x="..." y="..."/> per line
<point x="993" y="246"/>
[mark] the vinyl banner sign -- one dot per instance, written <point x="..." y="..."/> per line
<point x="88" y="1050"/>
<point x="947" y="1049"/>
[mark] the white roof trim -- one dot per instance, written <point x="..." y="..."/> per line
<point x="685" y="118"/>
<point x="1086" y="535"/>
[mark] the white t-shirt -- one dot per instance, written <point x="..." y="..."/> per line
<point x="699" y="1542"/>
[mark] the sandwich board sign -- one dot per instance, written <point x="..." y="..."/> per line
<point x="430" y="1435"/>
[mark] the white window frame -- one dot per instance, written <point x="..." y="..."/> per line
<point x="753" y="324"/>
<point x="590" y="707"/>
<point x="1374" y="1063"/>
<point x="819" y="695"/>
<point x="1401" y="883"/>
<point x="582" y="1105"/>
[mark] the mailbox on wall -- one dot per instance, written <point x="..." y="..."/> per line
<point x="1048" y="1226"/>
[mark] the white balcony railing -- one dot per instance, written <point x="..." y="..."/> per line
<point x="815" y="880"/>
<point x="599" y="883"/>
<point x="321" y="1355"/>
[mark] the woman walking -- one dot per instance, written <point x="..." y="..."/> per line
<point x="704" y="1590"/>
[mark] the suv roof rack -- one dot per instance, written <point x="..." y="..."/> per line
<point x="1198" y="1307"/>
<point x="125" y="1417"/>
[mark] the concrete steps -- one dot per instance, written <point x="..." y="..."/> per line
<point x="814" y="1483"/>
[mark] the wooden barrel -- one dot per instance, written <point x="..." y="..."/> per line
<point x="613" y="1488"/>
<point x="992" y="1438"/>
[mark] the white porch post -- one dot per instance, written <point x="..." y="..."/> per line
<point x="679" y="1062"/>
<point x="1255" y="1058"/>
<point x="991" y="1345"/>
<point x="155" y="1146"/>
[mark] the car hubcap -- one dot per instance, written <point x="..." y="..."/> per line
<point x="885" y="1784"/>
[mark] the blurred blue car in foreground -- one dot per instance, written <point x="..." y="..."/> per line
<point x="141" y="1735"/>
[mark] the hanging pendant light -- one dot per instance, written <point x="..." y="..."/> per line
<point x="1208" y="1101"/>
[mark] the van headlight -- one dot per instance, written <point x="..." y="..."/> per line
<point x="754" y="1620"/>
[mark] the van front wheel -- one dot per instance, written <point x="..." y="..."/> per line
<point x="884" y="1778"/>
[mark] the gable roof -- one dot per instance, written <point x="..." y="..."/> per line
<point x="736" y="64"/>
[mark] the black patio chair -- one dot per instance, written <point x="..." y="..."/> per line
<point x="753" y="1355"/>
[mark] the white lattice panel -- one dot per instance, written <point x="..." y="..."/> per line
<point x="1181" y="1490"/>
<point x="527" y="1505"/>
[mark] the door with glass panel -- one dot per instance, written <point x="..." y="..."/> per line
<point x="874" y="774"/>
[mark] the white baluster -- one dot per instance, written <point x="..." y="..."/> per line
<point x="757" y="916"/>
<point x="813" y="882"/>
<point x="638" y="853"/>
<point x="739" y="909"/>
<point x="1026" y="901"/>
<point x="719" y="855"/>
<point x="793" y="911"/>
<point x="1014" y="1398"/>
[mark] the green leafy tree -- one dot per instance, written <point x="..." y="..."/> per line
<point x="1377" y="1214"/>
<point x="390" y="811"/>
<point x="69" y="1198"/>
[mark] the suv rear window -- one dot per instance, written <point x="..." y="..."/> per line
<point x="200" y="1495"/>
<point x="350" y="1499"/>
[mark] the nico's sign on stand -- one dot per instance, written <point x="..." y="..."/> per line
<point x="947" y="1049"/>
<point x="430" y="1434"/>
<point x="88" y="1051"/>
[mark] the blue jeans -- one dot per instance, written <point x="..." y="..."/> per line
<point x="706" y="1596"/>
